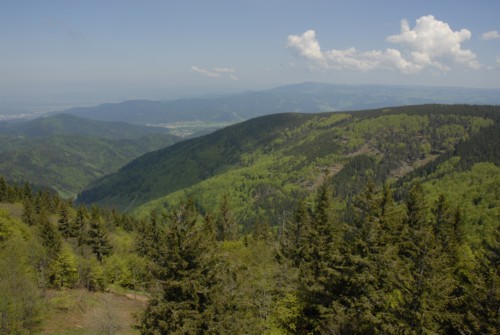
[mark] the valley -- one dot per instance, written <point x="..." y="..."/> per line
<point x="281" y="224"/>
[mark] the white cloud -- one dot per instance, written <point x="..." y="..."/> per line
<point x="431" y="43"/>
<point x="308" y="47"/>
<point x="205" y="72"/>
<point x="217" y="72"/>
<point x="490" y="35"/>
<point x="224" y="70"/>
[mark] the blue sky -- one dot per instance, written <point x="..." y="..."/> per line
<point x="85" y="52"/>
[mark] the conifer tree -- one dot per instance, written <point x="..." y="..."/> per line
<point x="151" y="239"/>
<point x="49" y="235"/>
<point x="97" y="236"/>
<point x="426" y="287"/>
<point x="262" y="231"/>
<point x="26" y="192"/>
<point x="65" y="225"/>
<point x="359" y="286"/>
<point x="28" y="216"/>
<point x="226" y="225"/>
<point x="319" y="268"/>
<point x="182" y="304"/>
<point x="79" y="226"/>
<point x="3" y="189"/>
<point x="294" y="239"/>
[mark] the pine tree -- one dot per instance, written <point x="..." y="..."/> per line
<point x="489" y="290"/>
<point x="49" y="235"/>
<point x="65" y="225"/>
<point x="79" y="226"/>
<point x="319" y="267"/>
<point x="182" y="304"/>
<point x="3" y="189"/>
<point x="26" y="192"/>
<point x="262" y="230"/>
<point x="426" y="287"/>
<point x="97" y="236"/>
<point x="151" y="240"/>
<point x="29" y="216"/>
<point x="226" y="225"/>
<point x="360" y="287"/>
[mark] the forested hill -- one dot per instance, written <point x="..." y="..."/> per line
<point x="265" y="162"/>
<point x="66" y="153"/>
<point x="64" y="124"/>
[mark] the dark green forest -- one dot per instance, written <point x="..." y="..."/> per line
<point x="372" y="222"/>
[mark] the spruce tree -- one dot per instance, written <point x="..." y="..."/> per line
<point x="79" y="226"/>
<point x="28" y="217"/>
<point x="97" y="236"/>
<point x="319" y="267"/>
<point x="226" y="225"/>
<point x="3" y="189"/>
<point x="65" y="226"/>
<point x="182" y="304"/>
<point x="359" y="286"/>
<point x="49" y="235"/>
<point x="151" y="240"/>
<point x="426" y="285"/>
<point x="262" y="230"/>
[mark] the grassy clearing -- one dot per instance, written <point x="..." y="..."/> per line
<point x="80" y="312"/>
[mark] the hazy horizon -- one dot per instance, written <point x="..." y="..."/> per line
<point x="58" y="53"/>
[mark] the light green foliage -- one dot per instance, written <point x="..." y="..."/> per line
<point x="476" y="192"/>
<point x="20" y="299"/>
<point x="91" y="274"/>
<point x="300" y="156"/>
<point x="64" y="272"/>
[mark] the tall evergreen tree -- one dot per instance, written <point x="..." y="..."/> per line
<point x="79" y="225"/>
<point x="97" y="236"/>
<point x="182" y="304"/>
<point x="359" y="287"/>
<point x="427" y="285"/>
<point x="49" y="235"/>
<point x="226" y="225"/>
<point x="319" y="268"/>
<point x="65" y="225"/>
<point x="3" y="189"/>
<point x="151" y="240"/>
<point x="29" y="217"/>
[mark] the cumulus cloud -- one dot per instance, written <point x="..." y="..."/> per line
<point x="432" y="40"/>
<point x="432" y="43"/>
<point x="217" y="72"/>
<point x="490" y="35"/>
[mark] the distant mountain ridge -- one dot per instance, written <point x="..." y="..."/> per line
<point x="305" y="98"/>
<point x="65" y="124"/>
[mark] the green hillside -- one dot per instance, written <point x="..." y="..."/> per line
<point x="424" y="261"/>
<point x="69" y="163"/>
<point x="266" y="163"/>
<point x="65" y="124"/>
<point x="66" y="152"/>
